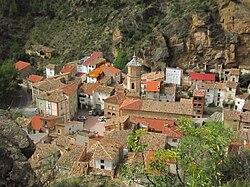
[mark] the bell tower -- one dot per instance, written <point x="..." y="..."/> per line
<point x="134" y="77"/>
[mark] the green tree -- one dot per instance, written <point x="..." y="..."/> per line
<point x="121" y="59"/>
<point x="198" y="158"/>
<point x="8" y="81"/>
<point x="244" y="80"/>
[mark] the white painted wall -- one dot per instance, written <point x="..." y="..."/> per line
<point x="91" y="80"/>
<point x="172" y="142"/>
<point x="209" y="98"/>
<point x="98" y="99"/>
<point x="69" y="129"/>
<point x="108" y="164"/>
<point x="239" y="103"/>
<point x="50" y="72"/>
<point x="174" y="75"/>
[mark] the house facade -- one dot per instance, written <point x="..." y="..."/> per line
<point x="174" y="75"/>
<point x="153" y="90"/>
<point x="198" y="103"/>
<point x="85" y="64"/>
<point x="240" y="101"/>
<point x="69" y="127"/>
<point x="111" y="71"/>
<point x="100" y="94"/>
<point x="50" y="70"/>
<point x="112" y="105"/>
<point x="33" y="79"/>
<point x="106" y="157"/>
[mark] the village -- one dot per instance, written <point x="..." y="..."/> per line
<point x="86" y="110"/>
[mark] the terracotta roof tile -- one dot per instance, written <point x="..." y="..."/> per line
<point x="35" y="78"/>
<point x="153" y="76"/>
<point x="231" y="114"/>
<point x="202" y="76"/>
<point x="153" y="86"/>
<point x="91" y="89"/>
<point x="243" y="96"/>
<point x="48" y="84"/>
<point x="36" y="123"/>
<point x="104" y="89"/>
<point x="247" y="105"/>
<point x="119" y="136"/>
<point x="166" y="127"/>
<point x="132" y="104"/>
<point x="116" y="99"/>
<point x="106" y="149"/>
<point x="70" y="89"/>
<point x="154" y="141"/>
<point x="245" y="116"/>
<point x="185" y="107"/>
<point x="94" y="56"/>
<point x="110" y="69"/>
<point x="68" y="68"/>
<point x="21" y="65"/>
<point x="199" y="93"/>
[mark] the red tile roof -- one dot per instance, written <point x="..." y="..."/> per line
<point x="35" y="78"/>
<point x="36" y="123"/>
<point x="153" y="86"/>
<point x="94" y="56"/>
<point x="90" y="91"/>
<point x="199" y="93"/>
<point x="67" y="68"/>
<point x="21" y="65"/>
<point x="202" y="76"/>
<point x="131" y="104"/>
<point x="110" y="68"/>
<point x="70" y="89"/>
<point x="166" y="127"/>
<point x="116" y="99"/>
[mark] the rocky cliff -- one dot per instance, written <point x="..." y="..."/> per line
<point x="15" y="149"/>
<point x="186" y="33"/>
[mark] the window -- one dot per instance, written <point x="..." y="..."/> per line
<point x="199" y="104"/>
<point x="48" y="105"/>
<point x="110" y="107"/>
<point x="61" y="106"/>
<point x="102" y="161"/>
<point x="198" y="111"/>
<point x="207" y="90"/>
<point x="219" y="89"/>
<point x="99" y="99"/>
<point x="195" y="104"/>
<point x="133" y="85"/>
<point x="230" y="89"/>
<point x="174" y="140"/>
<point x="102" y="167"/>
<point x="218" y="99"/>
<point x="113" y="108"/>
<point x="59" y="131"/>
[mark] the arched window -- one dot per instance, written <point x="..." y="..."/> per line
<point x="133" y="85"/>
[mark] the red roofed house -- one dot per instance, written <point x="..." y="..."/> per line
<point x="61" y="102"/>
<point x="69" y="69"/>
<point x="166" y="127"/>
<point x="198" y="103"/>
<point x="32" y="79"/>
<point x="86" y="94"/>
<point x="153" y="90"/>
<point x="24" y="69"/>
<point x="85" y="64"/>
<point x="111" y="71"/>
<point x="201" y="77"/>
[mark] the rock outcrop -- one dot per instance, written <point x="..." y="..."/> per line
<point x="15" y="149"/>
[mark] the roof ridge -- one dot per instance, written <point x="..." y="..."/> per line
<point x="104" y="149"/>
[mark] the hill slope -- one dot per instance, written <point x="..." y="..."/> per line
<point x="175" y="33"/>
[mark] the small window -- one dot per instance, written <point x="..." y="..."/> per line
<point x="102" y="161"/>
<point x="199" y="104"/>
<point x="198" y="111"/>
<point x="174" y="140"/>
<point x="219" y="89"/>
<point x="133" y="86"/>
<point x="99" y="99"/>
<point x="59" y="131"/>
<point x="207" y="90"/>
<point x="230" y="89"/>
<point x="102" y="167"/>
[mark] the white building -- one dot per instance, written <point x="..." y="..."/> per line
<point x="174" y="75"/>
<point x="101" y="93"/>
<point x="69" y="127"/>
<point x="240" y="101"/>
<point x="50" y="70"/>
<point x="85" y="64"/>
<point x="86" y="98"/>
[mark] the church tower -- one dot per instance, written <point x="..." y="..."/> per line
<point x="134" y="78"/>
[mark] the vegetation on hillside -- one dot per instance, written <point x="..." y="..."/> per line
<point x="201" y="159"/>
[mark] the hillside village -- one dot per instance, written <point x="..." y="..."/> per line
<point x="86" y="110"/>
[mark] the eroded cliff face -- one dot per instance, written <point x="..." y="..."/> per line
<point x="15" y="149"/>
